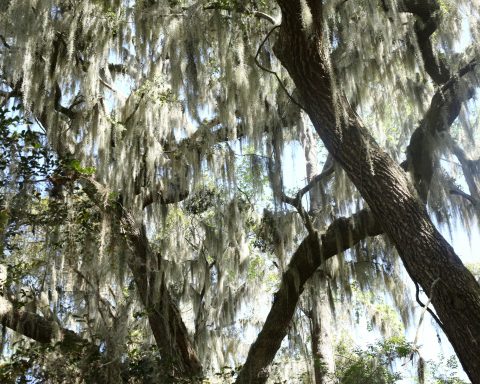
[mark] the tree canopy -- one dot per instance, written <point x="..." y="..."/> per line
<point x="148" y="214"/>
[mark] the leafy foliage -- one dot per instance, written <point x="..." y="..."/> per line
<point x="373" y="364"/>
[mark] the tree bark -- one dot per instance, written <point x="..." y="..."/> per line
<point x="37" y="327"/>
<point x="423" y="142"/>
<point x="165" y="320"/>
<point x="323" y="344"/>
<point x="320" y="315"/>
<point x="168" y="328"/>
<point x="426" y="255"/>
<point x="342" y="234"/>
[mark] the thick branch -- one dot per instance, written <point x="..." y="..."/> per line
<point x="459" y="192"/>
<point x="342" y="234"/>
<point x="426" y="255"/>
<point x="37" y="327"/>
<point x="425" y="25"/>
<point x="443" y="111"/>
<point x="173" y="194"/>
<point x="164" y="318"/>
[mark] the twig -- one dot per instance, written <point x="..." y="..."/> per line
<point x="425" y="307"/>
<point x="459" y="192"/>
<point x="100" y="298"/>
<point x="4" y="42"/>
<point x="316" y="179"/>
<point x="260" y="15"/>
<point x="282" y="85"/>
<point x="104" y="83"/>
<point x="297" y="200"/>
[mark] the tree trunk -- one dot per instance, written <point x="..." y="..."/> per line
<point x="171" y="335"/>
<point x="322" y="341"/>
<point x="165" y="320"/>
<point x="347" y="232"/>
<point x="427" y="256"/>
<point x="323" y="344"/>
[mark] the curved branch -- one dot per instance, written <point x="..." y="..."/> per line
<point x="59" y="107"/>
<point x="4" y="42"/>
<point x="425" y="25"/>
<point x="469" y="168"/>
<point x="329" y="169"/>
<point x="341" y="235"/>
<point x="443" y="111"/>
<point x="471" y="199"/>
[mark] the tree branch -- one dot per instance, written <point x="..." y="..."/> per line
<point x="4" y="42"/>
<point x="59" y="107"/>
<point x="425" y="26"/>
<point x="173" y="194"/>
<point x="37" y="327"/>
<point x="471" y="199"/>
<point x="469" y="168"/>
<point x="443" y="111"/>
<point x="241" y="9"/>
<point x="164" y="318"/>
<point x="341" y="235"/>
<point x="298" y="54"/>
<point x="330" y="169"/>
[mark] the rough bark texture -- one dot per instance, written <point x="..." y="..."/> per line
<point x="421" y="161"/>
<point x="421" y="154"/>
<point x="165" y="320"/>
<point x="427" y="256"/>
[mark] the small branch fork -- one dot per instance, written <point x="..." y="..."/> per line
<point x="297" y="200"/>
<point x="425" y="306"/>
<point x="462" y="72"/>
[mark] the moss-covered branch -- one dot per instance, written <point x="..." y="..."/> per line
<point x="37" y="327"/>
<point x="171" y="335"/>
